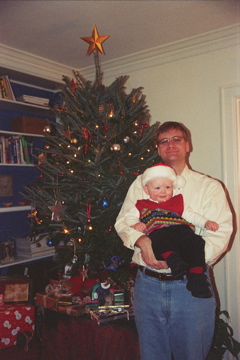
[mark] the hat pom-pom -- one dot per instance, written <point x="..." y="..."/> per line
<point x="180" y="183"/>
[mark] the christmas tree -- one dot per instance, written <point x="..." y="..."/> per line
<point x="100" y="142"/>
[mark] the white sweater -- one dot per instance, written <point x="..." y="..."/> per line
<point x="204" y="195"/>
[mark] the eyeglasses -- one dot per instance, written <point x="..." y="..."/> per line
<point x="174" y="140"/>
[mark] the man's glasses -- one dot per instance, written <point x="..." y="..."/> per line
<point x="174" y="140"/>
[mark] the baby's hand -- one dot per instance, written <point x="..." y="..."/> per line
<point x="139" y="227"/>
<point x="211" y="225"/>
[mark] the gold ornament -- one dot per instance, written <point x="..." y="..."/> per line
<point x="116" y="147"/>
<point x="47" y="129"/>
<point x="95" y="42"/>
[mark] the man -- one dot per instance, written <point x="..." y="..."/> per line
<point x="171" y="322"/>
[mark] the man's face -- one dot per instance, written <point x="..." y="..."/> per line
<point x="174" y="150"/>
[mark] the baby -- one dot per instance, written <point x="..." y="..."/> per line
<point x="170" y="225"/>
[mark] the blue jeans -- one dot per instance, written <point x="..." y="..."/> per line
<point x="171" y="323"/>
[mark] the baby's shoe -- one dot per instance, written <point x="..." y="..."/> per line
<point x="198" y="285"/>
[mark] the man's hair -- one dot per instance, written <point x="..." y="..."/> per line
<point x="169" y="125"/>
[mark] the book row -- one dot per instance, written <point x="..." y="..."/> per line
<point x="6" y="92"/>
<point x="17" y="150"/>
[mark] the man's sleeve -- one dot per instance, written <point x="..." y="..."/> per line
<point x="216" y="208"/>
<point x="129" y="235"/>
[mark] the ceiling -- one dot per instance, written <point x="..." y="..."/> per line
<point x="52" y="29"/>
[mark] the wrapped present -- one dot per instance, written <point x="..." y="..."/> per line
<point x="73" y="310"/>
<point x="48" y="301"/>
<point x="108" y="314"/>
<point x="118" y="297"/>
<point x="15" y="319"/>
<point x="16" y="288"/>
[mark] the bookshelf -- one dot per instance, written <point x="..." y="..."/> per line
<point x="13" y="217"/>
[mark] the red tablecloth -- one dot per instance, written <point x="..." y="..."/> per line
<point x="14" y="319"/>
<point x="69" y="338"/>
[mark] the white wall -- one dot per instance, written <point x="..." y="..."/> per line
<point x="189" y="90"/>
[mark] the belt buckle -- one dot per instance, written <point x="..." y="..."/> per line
<point x="165" y="277"/>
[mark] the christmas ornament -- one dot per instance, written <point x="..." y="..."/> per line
<point x="74" y="85"/>
<point x="84" y="272"/>
<point x="95" y="42"/>
<point x="42" y="159"/>
<point x="115" y="262"/>
<point x="104" y="203"/>
<point x="49" y="242"/>
<point x="126" y="140"/>
<point x="111" y="113"/>
<point x="57" y="211"/>
<point x="67" y="134"/>
<point x="74" y="259"/>
<point x="89" y="208"/>
<point x="47" y="129"/>
<point x="86" y="137"/>
<point x="116" y="147"/>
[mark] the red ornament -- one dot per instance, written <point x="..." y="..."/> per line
<point x="86" y="135"/>
<point x="74" y="85"/>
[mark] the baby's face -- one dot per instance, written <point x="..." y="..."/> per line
<point x="159" y="189"/>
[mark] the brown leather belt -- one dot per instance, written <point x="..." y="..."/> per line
<point x="159" y="276"/>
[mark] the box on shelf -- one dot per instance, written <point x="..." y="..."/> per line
<point x="27" y="249"/>
<point x="29" y="125"/>
<point x="16" y="288"/>
<point x="15" y="319"/>
<point x="35" y="100"/>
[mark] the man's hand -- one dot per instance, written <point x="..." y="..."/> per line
<point x="145" y="244"/>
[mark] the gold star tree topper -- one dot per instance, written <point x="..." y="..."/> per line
<point x="95" y="42"/>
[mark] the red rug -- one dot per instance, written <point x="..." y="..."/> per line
<point x="14" y="353"/>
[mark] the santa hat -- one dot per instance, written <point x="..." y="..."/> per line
<point x="163" y="171"/>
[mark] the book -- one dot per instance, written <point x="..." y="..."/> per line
<point x="3" y="90"/>
<point x="6" y="88"/>
<point x="33" y="100"/>
<point x="25" y="150"/>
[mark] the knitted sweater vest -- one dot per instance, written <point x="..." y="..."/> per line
<point x="157" y="215"/>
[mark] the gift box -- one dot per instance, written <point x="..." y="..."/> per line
<point x="29" y="125"/>
<point x="108" y="314"/>
<point x="16" y="288"/>
<point x="73" y="310"/>
<point x="15" y="319"/>
<point x="48" y="301"/>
